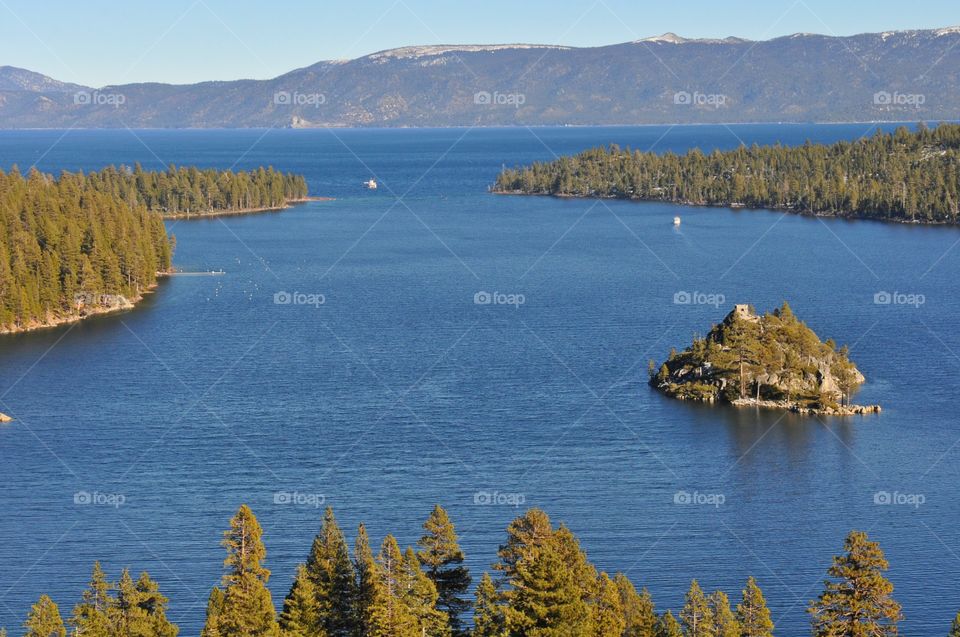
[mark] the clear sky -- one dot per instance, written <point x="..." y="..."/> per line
<point x="99" y="42"/>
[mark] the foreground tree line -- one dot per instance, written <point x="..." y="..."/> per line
<point x="543" y="586"/>
<point x="902" y="176"/>
<point x="85" y="243"/>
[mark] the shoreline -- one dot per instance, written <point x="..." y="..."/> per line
<point x="244" y="211"/>
<point x="69" y="319"/>
<point x="846" y="216"/>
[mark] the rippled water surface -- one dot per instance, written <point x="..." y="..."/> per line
<point x="400" y="391"/>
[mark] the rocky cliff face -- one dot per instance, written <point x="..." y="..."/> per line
<point x="773" y="360"/>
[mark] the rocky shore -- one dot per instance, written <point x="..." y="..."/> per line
<point x="773" y="361"/>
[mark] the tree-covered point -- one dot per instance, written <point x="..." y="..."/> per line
<point x="901" y="176"/>
<point x="544" y="586"/>
<point x="71" y="241"/>
<point x="195" y="191"/>
<point x="749" y="357"/>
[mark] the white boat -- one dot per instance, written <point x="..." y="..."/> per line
<point x="372" y="184"/>
<point x="676" y="221"/>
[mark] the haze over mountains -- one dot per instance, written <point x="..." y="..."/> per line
<point x="891" y="76"/>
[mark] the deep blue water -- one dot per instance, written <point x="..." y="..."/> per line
<point x="399" y="391"/>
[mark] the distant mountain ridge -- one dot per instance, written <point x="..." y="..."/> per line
<point x="889" y="76"/>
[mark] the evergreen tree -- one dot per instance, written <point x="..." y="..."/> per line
<point x="696" y="616"/>
<point x="525" y="535"/>
<point x="243" y="607"/>
<point x="390" y="613"/>
<point x="421" y="597"/>
<point x="640" y="616"/>
<point x="607" y="611"/>
<point x="858" y="600"/>
<point x="334" y="579"/>
<point x="753" y="614"/>
<point x="668" y="626"/>
<point x="954" y="628"/>
<point x="367" y="583"/>
<point x="724" y="622"/>
<point x="300" y="617"/>
<point x="44" y="620"/>
<point x="442" y="558"/>
<point x="488" y="619"/>
<point x="545" y="599"/>
<point x="90" y="615"/>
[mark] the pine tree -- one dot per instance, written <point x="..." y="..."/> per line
<point x="300" y="617"/>
<point x="390" y="613"/>
<point x="150" y="616"/>
<point x="545" y="599"/>
<point x="639" y="614"/>
<point x="696" y="616"/>
<point x="243" y="607"/>
<point x="668" y="626"/>
<point x="334" y="579"/>
<point x="607" y="612"/>
<point x="954" y="628"/>
<point x="724" y="622"/>
<point x="524" y="536"/>
<point x="441" y="556"/>
<point x="753" y="614"/>
<point x="90" y="615"/>
<point x="488" y="620"/>
<point x="421" y="598"/>
<point x="44" y="620"/>
<point x="367" y="582"/>
<point x="858" y="600"/>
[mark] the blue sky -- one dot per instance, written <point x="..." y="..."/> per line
<point x="97" y="42"/>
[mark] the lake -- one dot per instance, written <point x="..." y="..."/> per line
<point x="343" y="359"/>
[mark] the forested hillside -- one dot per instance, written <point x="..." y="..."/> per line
<point x="902" y="176"/>
<point x="67" y="244"/>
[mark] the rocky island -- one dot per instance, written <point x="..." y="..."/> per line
<point x="772" y="360"/>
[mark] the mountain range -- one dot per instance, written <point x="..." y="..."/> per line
<point x="890" y="76"/>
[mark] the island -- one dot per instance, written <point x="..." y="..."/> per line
<point x="772" y="360"/>
<point x="904" y="176"/>
<point x="83" y="244"/>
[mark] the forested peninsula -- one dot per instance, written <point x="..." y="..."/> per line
<point x="904" y="176"/>
<point x="82" y="244"/>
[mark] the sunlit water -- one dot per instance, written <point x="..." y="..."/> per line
<point x="400" y="391"/>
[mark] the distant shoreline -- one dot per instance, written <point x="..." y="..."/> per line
<point x="244" y="211"/>
<point x="733" y="206"/>
<point x="494" y="126"/>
